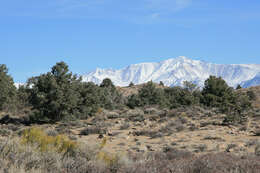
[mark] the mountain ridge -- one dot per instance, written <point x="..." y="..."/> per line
<point x="173" y="71"/>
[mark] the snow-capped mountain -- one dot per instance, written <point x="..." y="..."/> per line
<point x="253" y="82"/>
<point x="174" y="71"/>
<point x="17" y="85"/>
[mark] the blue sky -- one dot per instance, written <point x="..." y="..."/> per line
<point x="86" y="34"/>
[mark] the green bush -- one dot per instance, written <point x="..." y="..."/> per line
<point x="149" y="94"/>
<point x="60" y="95"/>
<point x="171" y="97"/>
<point x="238" y="87"/>
<point x="55" y="94"/>
<point x="7" y="90"/>
<point x="131" y="84"/>
<point x="134" y="101"/>
<point x="110" y="97"/>
<point x="251" y="95"/>
<point x="234" y="103"/>
<point x="161" y="83"/>
<point x="177" y="96"/>
<point x="90" y="100"/>
<point x="216" y="92"/>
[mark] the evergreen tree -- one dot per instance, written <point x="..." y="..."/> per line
<point x="7" y="89"/>
<point x="161" y="83"/>
<point x="177" y="96"/>
<point x="234" y="104"/>
<point x="251" y="95"/>
<point x="55" y="94"/>
<point x="238" y="87"/>
<point x="90" y="95"/>
<point x="134" y="101"/>
<point x="216" y="92"/>
<point x="110" y="97"/>
<point x="149" y="94"/>
<point x="190" y="86"/>
<point x="131" y="84"/>
<point x="107" y="83"/>
<point x="22" y="99"/>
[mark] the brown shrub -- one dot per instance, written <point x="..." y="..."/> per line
<point x="124" y="126"/>
<point x="257" y="132"/>
<point x="257" y="150"/>
<point x="18" y="158"/>
<point x="92" y="130"/>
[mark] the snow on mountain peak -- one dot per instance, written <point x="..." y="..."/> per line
<point x="181" y="59"/>
<point x="252" y="82"/>
<point x="174" y="71"/>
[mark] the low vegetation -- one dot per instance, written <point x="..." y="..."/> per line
<point x="59" y="94"/>
<point x="26" y="158"/>
<point x="58" y="123"/>
<point x="46" y="143"/>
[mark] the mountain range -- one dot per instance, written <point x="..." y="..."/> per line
<point x="173" y="72"/>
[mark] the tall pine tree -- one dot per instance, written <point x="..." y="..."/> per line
<point x="7" y="89"/>
<point x="55" y="94"/>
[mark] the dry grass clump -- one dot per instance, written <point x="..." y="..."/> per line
<point x="75" y="123"/>
<point x="135" y="115"/>
<point x="257" y="150"/>
<point x="224" y="163"/>
<point x="109" y="159"/>
<point x="15" y="157"/>
<point x="44" y="142"/>
<point x="185" y="163"/>
<point x="63" y="128"/>
<point x="148" y="133"/>
<point x="113" y="115"/>
<point x="124" y="126"/>
<point x="176" y="125"/>
<point x="257" y="132"/>
<point x="136" y="118"/>
<point x="38" y="152"/>
<point x="93" y="130"/>
<point x="27" y="158"/>
<point x="4" y="132"/>
<point x="251" y="142"/>
<point x="154" y="111"/>
<point x="213" y="138"/>
<point x="230" y="146"/>
<point x="200" y="148"/>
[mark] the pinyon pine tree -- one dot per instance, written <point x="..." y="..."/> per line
<point x="7" y="89"/>
<point x="55" y="95"/>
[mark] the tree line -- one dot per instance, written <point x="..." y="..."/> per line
<point x="59" y="94"/>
